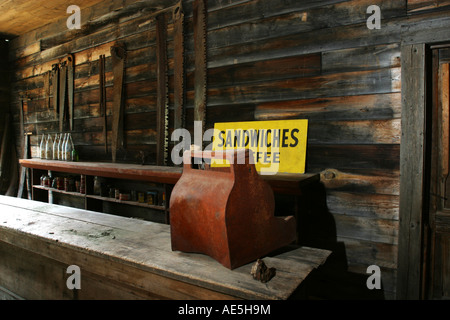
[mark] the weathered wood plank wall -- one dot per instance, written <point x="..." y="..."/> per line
<point x="267" y="60"/>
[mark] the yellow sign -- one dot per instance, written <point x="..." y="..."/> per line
<point x="278" y="146"/>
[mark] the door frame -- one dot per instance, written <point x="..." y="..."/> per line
<point x="412" y="171"/>
<point x="415" y="236"/>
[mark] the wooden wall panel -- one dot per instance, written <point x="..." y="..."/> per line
<point x="267" y="60"/>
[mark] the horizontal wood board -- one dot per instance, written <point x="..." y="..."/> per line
<point x="146" y="246"/>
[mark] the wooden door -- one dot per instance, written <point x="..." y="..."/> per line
<point x="439" y="217"/>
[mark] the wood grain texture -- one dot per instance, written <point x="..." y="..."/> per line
<point x="412" y="155"/>
<point x="93" y="240"/>
<point x="415" y="6"/>
<point x="267" y="60"/>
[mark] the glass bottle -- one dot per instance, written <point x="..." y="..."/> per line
<point x="74" y="154"/>
<point x="49" y="148"/>
<point x="42" y="147"/>
<point x="68" y="148"/>
<point x="63" y="148"/>
<point x="96" y="186"/>
<point x="60" y="141"/>
<point x="55" y="148"/>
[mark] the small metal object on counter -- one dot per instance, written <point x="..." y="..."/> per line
<point x="261" y="272"/>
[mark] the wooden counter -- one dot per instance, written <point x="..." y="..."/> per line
<point x="124" y="258"/>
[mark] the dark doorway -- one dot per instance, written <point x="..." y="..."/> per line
<point x="437" y="250"/>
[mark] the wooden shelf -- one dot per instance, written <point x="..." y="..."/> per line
<point x="280" y="183"/>
<point x="157" y="174"/>
<point x="91" y="196"/>
<point x="133" y="203"/>
<point x="133" y="174"/>
<point x="72" y="193"/>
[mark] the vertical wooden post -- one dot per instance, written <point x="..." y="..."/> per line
<point x="412" y="167"/>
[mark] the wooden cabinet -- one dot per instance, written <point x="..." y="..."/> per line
<point x="136" y="191"/>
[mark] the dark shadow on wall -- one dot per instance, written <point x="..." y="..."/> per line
<point x="317" y="229"/>
<point x="9" y="172"/>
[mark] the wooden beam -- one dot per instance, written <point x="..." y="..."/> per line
<point x="412" y="161"/>
<point x="162" y="93"/>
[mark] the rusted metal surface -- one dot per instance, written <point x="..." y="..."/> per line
<point x="261" y="272"/>
<point x="226" y="214"/>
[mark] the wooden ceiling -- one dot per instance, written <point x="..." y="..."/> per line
<point x="21" y="16"/>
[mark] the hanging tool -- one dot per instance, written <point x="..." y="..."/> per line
<point x="62" y="94"/>
<point x="103" y="99"/>
<point x="226" y="214"/>
<point x="178" y="91"/>
<point x="24" y="172"/>
<point x="47" y="89"/>
<point x="162" y="105"/>
<point x="70" y="87"/>
<point x="118" y="54"/>
<point x="200" y="73"/>
<point x="55" y="88"/>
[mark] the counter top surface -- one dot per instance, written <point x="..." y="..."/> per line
<point x="147" y="246"/>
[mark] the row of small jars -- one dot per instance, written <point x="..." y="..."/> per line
<point x="64" y="183"/>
